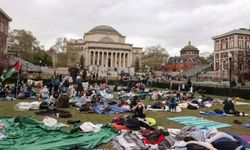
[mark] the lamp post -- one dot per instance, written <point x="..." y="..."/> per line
<point x="230" y="56"/>
<point x="163" y="68"/>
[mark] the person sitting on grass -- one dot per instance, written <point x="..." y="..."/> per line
<point x="63" y="101"/>
<point x="44" y="93"/>
<point x="173" y="104"/>
<point x="139" y="109"/>
<point x="54" y="98"/>
<point x="229" y="108"/>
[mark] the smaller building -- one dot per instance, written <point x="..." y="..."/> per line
<point x="234" y="45"/>
<point x="189" y="58"/>
<point x="4" y="30"/>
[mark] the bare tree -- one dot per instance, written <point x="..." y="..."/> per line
<point x="155" y="57"/>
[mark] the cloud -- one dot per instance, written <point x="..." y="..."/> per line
<point x="170" y="23"/>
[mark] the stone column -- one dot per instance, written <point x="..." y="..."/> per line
<point x="130" y="59"/>
<point x="107" y="54"/>
<point x="127" y="60"/>
<point x="111" y="60"/>
<point x="94" y="58"/>
<point x="98" y="58"/>
<point x="115" y="59"/>
<point x="102" y="59"/>
<point x="119" y="59"/>
<point x="124" y="60"/>
<point x="91" y="58"/>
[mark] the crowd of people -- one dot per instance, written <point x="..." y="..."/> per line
<point x="123" y="96"/>
<point x="61" y="91"/>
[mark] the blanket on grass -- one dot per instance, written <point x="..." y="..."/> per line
<point x="209" y="113"/>
<point x="178" y="109"/>
<point x="109" y="109"/>
<point x="29" y="134"/>
<point x="199" y="123"/>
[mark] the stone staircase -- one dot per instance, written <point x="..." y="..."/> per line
<point x="195" y="71"/>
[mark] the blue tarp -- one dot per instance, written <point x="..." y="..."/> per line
<point x="212" y="114"/>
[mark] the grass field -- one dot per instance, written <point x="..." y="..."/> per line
<point x="7" y="110"/>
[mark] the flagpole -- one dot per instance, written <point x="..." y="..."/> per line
<point x="17" y="84"/>
<point x="18" y="74"/>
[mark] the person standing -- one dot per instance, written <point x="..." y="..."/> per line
<point x="79" y="86"/>
<point x="189" y="84"/>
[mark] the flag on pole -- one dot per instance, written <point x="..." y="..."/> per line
<point x="15" y="69"/>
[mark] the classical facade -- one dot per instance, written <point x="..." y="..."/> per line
<point x="4" y="29"/>
<point x="188" y="59"/>
<point x="103" y="50"/>
<point x="234" y="44"/>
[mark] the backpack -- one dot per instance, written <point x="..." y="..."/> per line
<point x="44" y="105"/>
<point x="218" y="111"/>
<point x="84" y="108"/>
<point x="156" y="105"/>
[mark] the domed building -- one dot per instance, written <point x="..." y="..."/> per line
<point x="189" y="51"/>
<point x="103" y="51"/>
<point x="189" y="58"/>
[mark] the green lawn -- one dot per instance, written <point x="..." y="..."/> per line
<point x="7" y="110"/>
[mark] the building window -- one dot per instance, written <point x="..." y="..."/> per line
<point x="107" y="39"/>
<point x="248" y="44"/>
<point x="217" y="46"/>
<point x="224" y="65"/>
<point x="224" y="45"/>
<point x="240" y="54"/>
<point x="241" y="44"/>
<point x="231" y="44"/>
<point x="1" y="27"/>
<point x="72" y="60"/>
<point x="216" y="55"/>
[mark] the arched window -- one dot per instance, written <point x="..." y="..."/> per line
<point x="224" y="65"/>
<point x="107" y="39"/>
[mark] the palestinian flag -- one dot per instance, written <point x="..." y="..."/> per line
<point x="15" y="69"/>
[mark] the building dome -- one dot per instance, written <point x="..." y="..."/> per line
<point x="104" y="29"/>
<point x="189" y="50"/>
<point x="189" y="47"/>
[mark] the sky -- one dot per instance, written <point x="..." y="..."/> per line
<point x="170" y="23"/>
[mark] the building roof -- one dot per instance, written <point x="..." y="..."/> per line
<point x="182" y="59"/>
<point x="104" y="29"/>
<point x="243" y="31"/>
<point x="5" y="14"/>
<point x="189" y="47"/>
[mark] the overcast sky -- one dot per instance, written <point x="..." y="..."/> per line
<point x="171" y="23"/>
